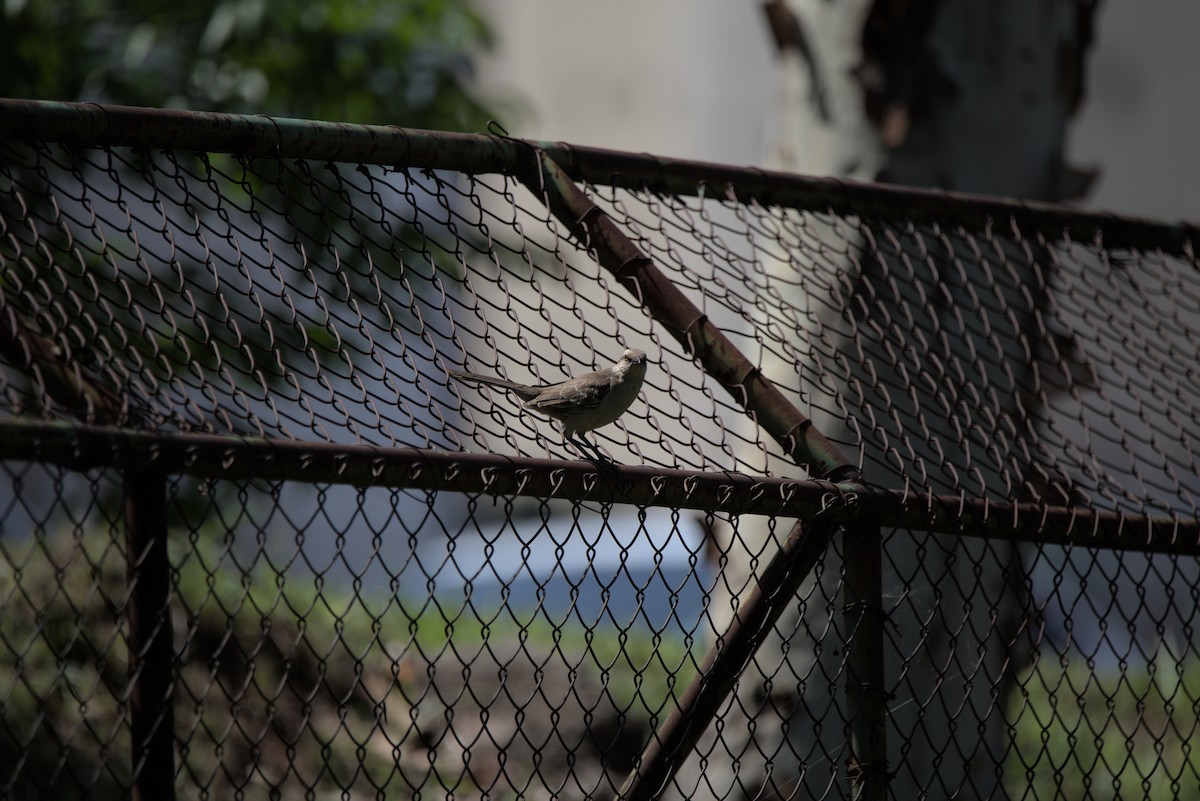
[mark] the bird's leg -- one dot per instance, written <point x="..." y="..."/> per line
<point x="588" y="450"/>
<point x="606" y="466"/>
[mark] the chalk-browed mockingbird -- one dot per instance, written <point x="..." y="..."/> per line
<point x="582" y="403"/>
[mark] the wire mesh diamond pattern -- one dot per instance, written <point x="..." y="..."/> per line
<point x="1012" y="388"/>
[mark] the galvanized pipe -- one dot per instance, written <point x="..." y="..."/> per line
<point x="92" y="124"/>
<point x="700" y="337"/>
<point x="38" y="358"/>
<point x="228" y="457"/>
<point x="753" y="621"/>
<point x="149" y="639"/>
<point x="866" y="691"/>
<point x="150" y="635"/>
<point x="217" y="456"/>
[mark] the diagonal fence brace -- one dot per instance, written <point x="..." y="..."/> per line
<point x="701" y="337"/>
<point x="807" y="446"/>
<point x="670" y="746"/>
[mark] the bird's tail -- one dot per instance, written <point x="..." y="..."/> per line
<point x="523" y="391"/>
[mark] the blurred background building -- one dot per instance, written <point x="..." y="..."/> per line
<point x="698" y="80"/>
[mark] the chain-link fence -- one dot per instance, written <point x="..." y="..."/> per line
<point x="906" y="507"/>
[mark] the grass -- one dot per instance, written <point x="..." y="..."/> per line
<point x="289" y="684"/>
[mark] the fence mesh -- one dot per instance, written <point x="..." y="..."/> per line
<point x="332" y="636"/>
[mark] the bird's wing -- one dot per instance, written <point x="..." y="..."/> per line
<point x="578" y="394"/>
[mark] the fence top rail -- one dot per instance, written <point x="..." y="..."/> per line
<point x="93" y="124"/>
<point x="214" y="456"/>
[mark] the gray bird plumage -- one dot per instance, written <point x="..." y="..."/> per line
<point x="583" y="403"/>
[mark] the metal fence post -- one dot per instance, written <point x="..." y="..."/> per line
<point x="866" y="696"/>
<point x="150" y="639"/>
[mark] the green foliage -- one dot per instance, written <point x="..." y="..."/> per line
<point x="404" y="62"/>
<point x="1107" y="733"/>
<point x="284" y="681"/>
<point x="62" y="667"/>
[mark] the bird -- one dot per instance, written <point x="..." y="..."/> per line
<point x="582" y="403"/>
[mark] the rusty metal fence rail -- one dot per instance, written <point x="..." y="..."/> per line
<point x="907" y="506"/>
